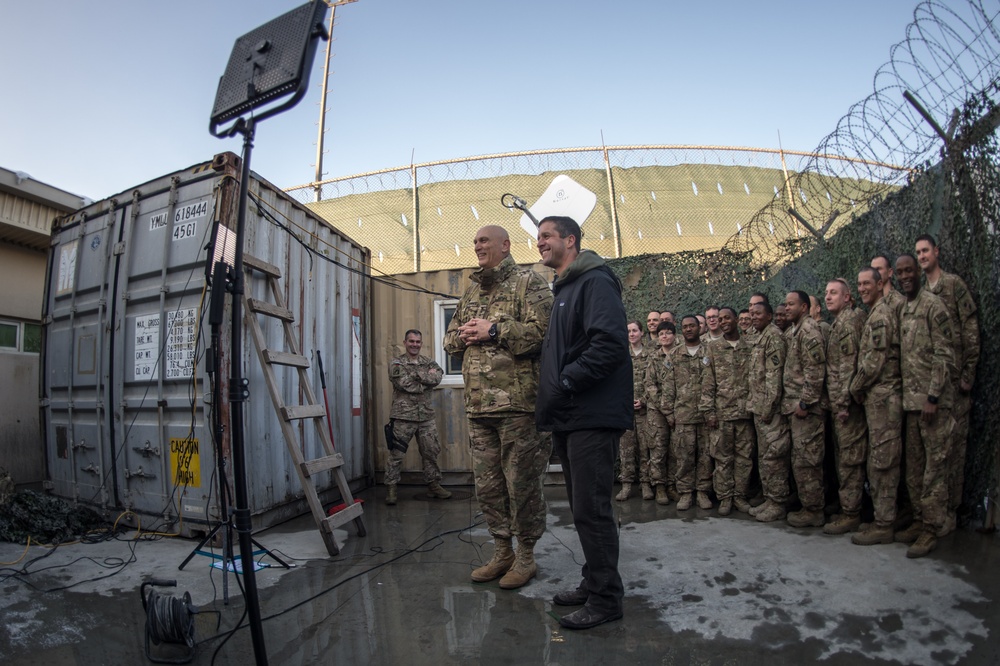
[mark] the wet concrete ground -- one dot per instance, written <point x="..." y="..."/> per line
<point x="700" y="590"/>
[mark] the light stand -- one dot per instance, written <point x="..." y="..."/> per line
<point x="268" y="64"/>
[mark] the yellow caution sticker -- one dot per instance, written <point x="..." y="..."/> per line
<point x="185" y="461"/>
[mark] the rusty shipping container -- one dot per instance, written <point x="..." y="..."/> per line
<point x="126" y="403"/>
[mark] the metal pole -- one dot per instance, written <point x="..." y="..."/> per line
<point x="322" y="109"/>
<point x="614" y="205"/>
<point x="237" y="395"/>
<point x="416" y="221"/>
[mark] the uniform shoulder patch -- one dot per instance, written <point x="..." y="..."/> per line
<point x="941" y="318"/>
<point x="775" y="360"/>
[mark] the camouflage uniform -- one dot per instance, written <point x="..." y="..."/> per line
<point x="635" y="443"/>
<point x="679" y="402"/>
<point x="509" y="455"/>
<point x="826" y="330"/>
<point x="805" y="368"/>
<point x="895" y="301"/>
<point x="850" y="436"/>
<point x="658" y="471"/>
<point x="952" y="290"/>
<point x="725" y="388"/>
<point x="774" y="444"/>
<point x="877" y="384"/>
<point x="926" y="364"/>
<point x="412" y="381"/>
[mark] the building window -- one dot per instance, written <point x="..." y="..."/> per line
<point x="20" y="336"/>
<point x="444" y="310"/>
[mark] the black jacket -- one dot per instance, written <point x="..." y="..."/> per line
<point x="586" y="348"/>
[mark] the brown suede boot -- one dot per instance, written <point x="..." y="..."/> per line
<point x="661" y="495"/>
<point x="910" y="534"/>
<point x="625" y="492"/>
<point x="390" y="495"/>
<point x="647" y="491"/>
<point x="524" y="568"/>
<point x="503" y="557"/>
<point x="435" y="490"/>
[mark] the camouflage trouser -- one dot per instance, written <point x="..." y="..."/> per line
<point x="633" y="451"/>
<point x="427" y="442"/>
<point x="851" y="439"/>
<point x="774" y="445"/>
<point x="731" y="445"/>
<point x="885" y="450"/>
<point x="928" y="446"/>
<point x="808" y="447"/>
<point x="956" y="471"/>
<point x="692" y="463"/>
<point x="509" y="457"/>
<point x="657" y="472"/>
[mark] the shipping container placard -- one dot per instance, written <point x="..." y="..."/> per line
<point x="67" y="268"/>
<point x="177" y="355"/>
<point x="185" y="461"/>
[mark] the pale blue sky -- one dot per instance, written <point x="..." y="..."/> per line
<point x="101" y="96"/>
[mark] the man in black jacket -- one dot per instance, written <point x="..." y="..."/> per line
<point x="585" y="400"/>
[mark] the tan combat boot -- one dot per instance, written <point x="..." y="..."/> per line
<point x="524" y="568"/>
<point x="726" y="507"/>
<point x="842" y="524"/>
<point x="806" y="518"/>
<point x="435" y="490"/>
<point x="741" y="505"/>
<point x="390" y="495"/>
<point x="769" y="511"/>
<point x="503" y="557"/>
<point x="872" y="536"/>
<point x="924" y="544"/>
<point x="661" y="495"/>
<point x="910" y="534"/>
<point x="704" y="502"/>
<point x="647" y="491"/>
<point x="684" y="503"/>
<point x="625" y="492"/>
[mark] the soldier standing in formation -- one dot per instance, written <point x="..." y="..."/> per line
<point x="413" y="376"/>
<point x="927" y="362"/>
<point x="878" y="386"/>
<point x="953" y="291"/>
<point x="774" y="444"/>
<point x="679" y="401"/>
<point x="802" y="404"/>
<point x="849" y="429"/>
<point x="633" y="453"/>
<point x="725" y="388"/>
<point x="660" y="470"/>
<point x="498" y="327"/>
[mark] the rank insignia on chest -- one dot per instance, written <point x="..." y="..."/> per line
<point x="704" y="360"/>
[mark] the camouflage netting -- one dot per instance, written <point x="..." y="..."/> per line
<point x="44" y="518"/>
<point x="957" y="200"/>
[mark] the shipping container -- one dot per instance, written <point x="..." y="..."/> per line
<point x="126" y="398"/>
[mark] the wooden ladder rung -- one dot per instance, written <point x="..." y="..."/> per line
<point x="285" y="358"/>
<point x="262" y="266"/>
<point x="310" y="467"/>
<point x="269" y="309"/>
<point x="293" y="412"/>
<point x="344" y="516"/>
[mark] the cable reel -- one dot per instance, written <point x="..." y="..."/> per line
<point x="169" y="619"/>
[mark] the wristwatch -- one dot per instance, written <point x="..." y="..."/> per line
<point x="803" y="406"/>
<point x="493" y="332"/>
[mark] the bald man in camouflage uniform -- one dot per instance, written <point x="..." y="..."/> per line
<point x="878" y="386"/>
<point x="774" y="444"/>
<point x="679" y="402"/>
<point x="803" y="403"/>
<point x="498" y="328"/>
<point x="413" y="375"/>
<point x="850" y="431"/>
<point x="927" y="363"/>
<point x="725" y="390"/>
<point x="956" y="296"/>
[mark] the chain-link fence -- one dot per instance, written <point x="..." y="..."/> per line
<point x="646" y="200"/>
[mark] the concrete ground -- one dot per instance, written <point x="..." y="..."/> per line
<point x="700" y="590"/>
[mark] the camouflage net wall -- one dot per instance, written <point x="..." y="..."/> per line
<point x="947" y="68"/>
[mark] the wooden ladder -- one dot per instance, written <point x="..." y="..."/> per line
<point x="289" y="413"/>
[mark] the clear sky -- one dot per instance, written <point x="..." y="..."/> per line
<point x="101" y="96"/>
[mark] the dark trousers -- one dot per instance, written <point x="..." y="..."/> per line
<point x="588" y="462"/>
